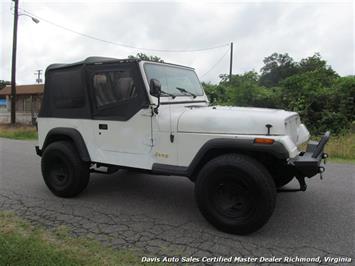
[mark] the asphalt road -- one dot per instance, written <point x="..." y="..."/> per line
<point x="157" y="215"/>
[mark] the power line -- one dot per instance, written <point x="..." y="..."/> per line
<point x="123" y="44"/>
<point x="218" y="61"/>
<point x="38" y="73"/>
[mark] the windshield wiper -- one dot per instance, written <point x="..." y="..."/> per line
<point x="168" y="94"/>
<point x="186" y="92"/>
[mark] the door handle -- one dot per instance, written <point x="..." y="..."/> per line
<point x="103" y="126"/>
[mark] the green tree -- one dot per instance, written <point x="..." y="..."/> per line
<point x="319" y="68"/>
<point x="145" y="57"/>
<point x="241" y="90"/>
<point x="276" y="68"/>
<point x="344" y="97"/>
<point x="216" y="94"/>
<point x="310" y="87"/>
<point x="3" y="83"/>
<point x="311" y="93"/>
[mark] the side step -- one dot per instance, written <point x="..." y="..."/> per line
<point x="109" y="169"/>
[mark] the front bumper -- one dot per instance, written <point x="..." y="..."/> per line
<point x="308" y="163"/>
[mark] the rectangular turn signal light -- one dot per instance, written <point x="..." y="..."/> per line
<point x="263" y="141"/>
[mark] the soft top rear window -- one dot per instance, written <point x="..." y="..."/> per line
<point x="67" y="88"/>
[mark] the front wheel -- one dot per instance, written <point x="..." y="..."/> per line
<point x="235" y="193"/>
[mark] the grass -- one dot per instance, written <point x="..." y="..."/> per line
<point x="23" y="244"/>
<point x="18" y="131"/>
<point x="340" y="160"/>
<point x="341" y="148"/>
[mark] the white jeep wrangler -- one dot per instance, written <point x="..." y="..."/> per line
<point x="105" y="114"/>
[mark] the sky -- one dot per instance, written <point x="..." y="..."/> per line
<point x="257" y="29"/>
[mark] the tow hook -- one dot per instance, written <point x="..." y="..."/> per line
<point x="321" y="171"/>
<point x="301" y="181"/>
<point x="325" y="157"/>
<point x="321" y="168"/>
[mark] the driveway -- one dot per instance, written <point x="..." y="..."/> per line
<point x="157" y="215"/>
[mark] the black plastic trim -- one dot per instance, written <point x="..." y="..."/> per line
<point x="168" y="169"/>
<point x="38" y="151"/>
<point x="320" y="147"/>
<point x="308" y="163"/>
<point x="165" y="103"/>
<point x="60" y="133"/>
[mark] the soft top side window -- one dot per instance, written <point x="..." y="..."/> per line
<point x="117" y="91"/>
<point x="112" y="87"/>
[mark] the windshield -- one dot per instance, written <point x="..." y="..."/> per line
<point x="174" y="80"/>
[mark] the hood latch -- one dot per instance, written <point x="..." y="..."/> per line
<point x="268" y="126"/>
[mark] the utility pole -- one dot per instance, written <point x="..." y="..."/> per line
<point x="231" y="63"/>
<point x="38" y="74"/>
<point x="13" y="67"/>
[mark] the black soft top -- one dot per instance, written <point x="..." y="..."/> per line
<point x="103" y="60"/>
<point x="91" y="60"/>
<point x="69" y="93"/>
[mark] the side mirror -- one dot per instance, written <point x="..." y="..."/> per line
<point x="155" y="88"/>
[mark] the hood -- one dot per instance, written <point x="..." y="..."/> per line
<point x="237" y="120"/>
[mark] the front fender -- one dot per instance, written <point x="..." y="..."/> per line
<point x="225" y="145"/>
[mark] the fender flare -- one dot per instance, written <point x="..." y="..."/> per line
<point x="63" y="133"/>
<point x="244" y="145"/>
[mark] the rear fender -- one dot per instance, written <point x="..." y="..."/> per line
<point x="71" y="134"/>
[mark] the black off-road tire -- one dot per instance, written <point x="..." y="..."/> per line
<point x="63" y="171"/>
<point x="235" y="193"/>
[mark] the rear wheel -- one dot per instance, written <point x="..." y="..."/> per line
<point x="63" y="171"/>
<point x="235" y="193"/>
